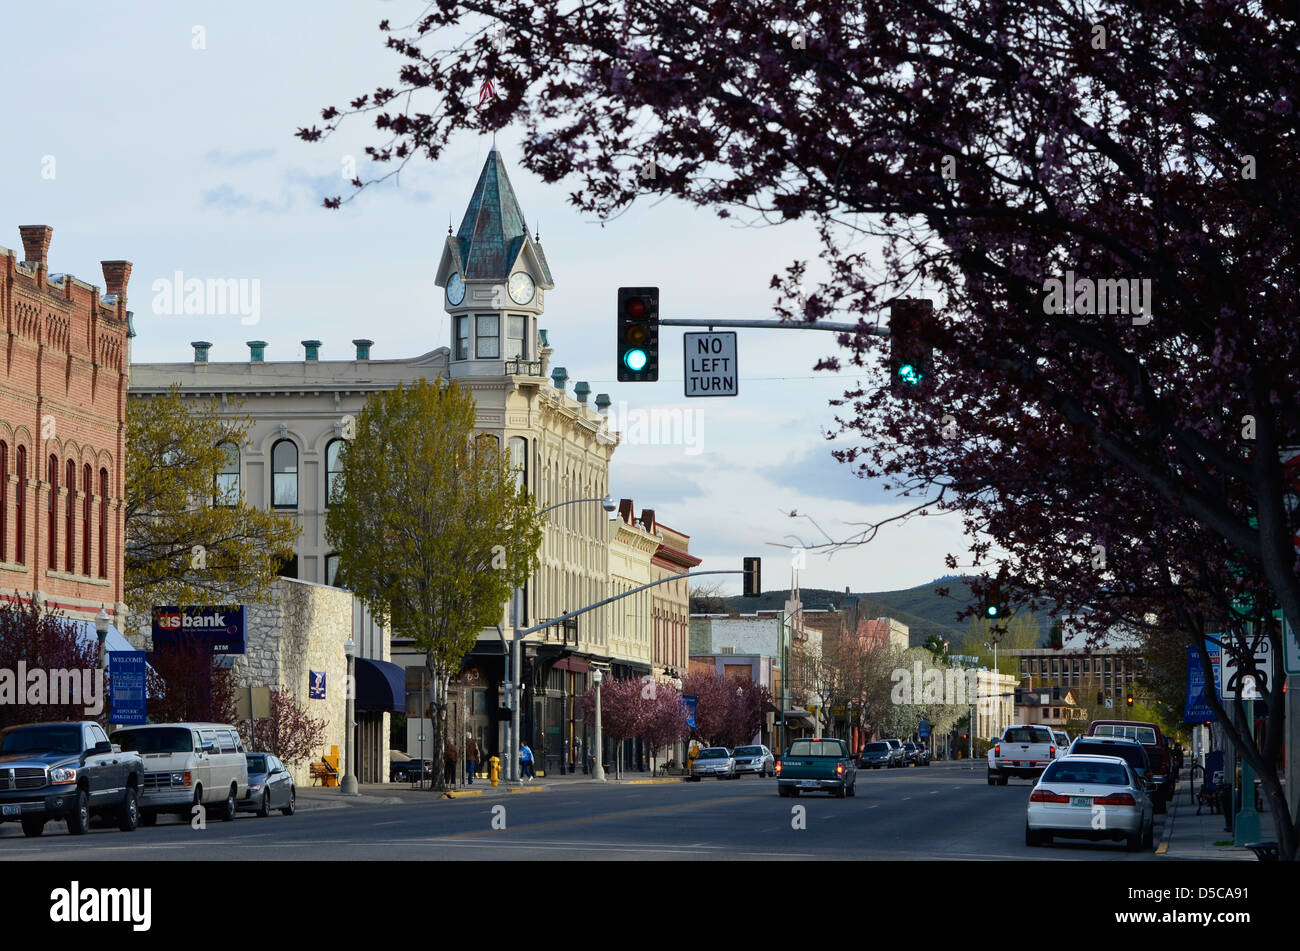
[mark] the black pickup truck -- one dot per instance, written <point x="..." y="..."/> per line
<point x="66" y="771"/>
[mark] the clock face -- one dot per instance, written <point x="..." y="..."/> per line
<point x="522" y="288"/>
<point x="455" y="290"/>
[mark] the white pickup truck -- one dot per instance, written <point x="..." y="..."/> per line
<point x="1022" y="751"/>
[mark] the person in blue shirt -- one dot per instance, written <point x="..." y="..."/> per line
<point x="526" y="769"/>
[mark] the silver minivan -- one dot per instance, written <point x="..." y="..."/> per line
<point x="187" y="765"/>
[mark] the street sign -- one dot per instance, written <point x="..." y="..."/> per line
<point x="1233" y="680"/>
<point x="221" y="628"/>
<point x="126" y="687"/>
<point x="710" y="364"/>
<point x="689" y="701"/>
<point x="1197" y="710"/>
<point x="923" y="729"/>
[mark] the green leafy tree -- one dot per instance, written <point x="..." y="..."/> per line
<point x="432" y="528"/>
<point x="180" y="547"/>
<point x="1020" y="631"/>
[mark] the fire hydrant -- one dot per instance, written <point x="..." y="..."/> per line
<point x="494" y="769"/>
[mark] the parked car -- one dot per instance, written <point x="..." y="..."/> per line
<point x="408" y="770"/>
<point x="1023" y="750"/>
<point x="269" y="786"/>
<point x="754" y="759"/>
<point x="817" y="766"/>
<point x="1131" y="751"/>
<point x="713" y="761"/>
<point x="1062" y="742"/>
<point x="1163" y="772"/>
<point x="911" y="754"/>
<point x="876" y="755"/>
<point x="67" y="771"/>
<point x="922" y="754"/>
<point x="1090" y="797"/>
<point x="898" y="756"/>
<point x="188" y="765"/>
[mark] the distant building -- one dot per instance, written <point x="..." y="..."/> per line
<point x="1057" y="707"/>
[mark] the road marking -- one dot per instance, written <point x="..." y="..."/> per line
<point x="934" y="792"/>
<point x="905" y="798"/>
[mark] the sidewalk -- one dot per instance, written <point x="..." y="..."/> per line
<point x="1191" y="837"/>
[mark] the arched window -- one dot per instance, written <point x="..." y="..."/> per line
<point x="52" y="475"/>
<point x="519" y="460"/>
<point x="4" y="499"/>
<point x="225" y="484"/>
<point x="331" y="568"/>
<point x="103" y="523"/>
<point x="87" y="489"/>
<point x="20" y="508"/>
<point x="284" y="475"/>
<point x="69" y="516"/>
<point x="333" y="470"/>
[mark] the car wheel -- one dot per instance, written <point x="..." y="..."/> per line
<point x="399" y="777"/>
<point x="853" y="787"/>
<point x="228" y="810"/>
<point x="33" y="827"/>
<point x="264" y="809"/>
<point x="993" y="780"/>
<point x="79" y="818"/>
<point x="1133" y="842"/>
<point x="1032" y="838"/>
<point x="128" y="818"/>
<point x="1003" y="780"/>
<point x="149" y="818"/>
<point x="293" y="803"/>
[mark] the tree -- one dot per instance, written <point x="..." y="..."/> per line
<point x="184" y="687"/>
<point x="709" y="599"/>
<point x="624" y="709"/>
<point x="1018" y="632"/>
<point x="1118" y="436"/>
<point x="713" y="695"/>
<point x="665" y="721"/>
<point x="180" y="547"/>
<point x="432" y="530"/>
<point x="289" y="732"/>
<point x="747" y="704"/>
<point x="45" y="642"/>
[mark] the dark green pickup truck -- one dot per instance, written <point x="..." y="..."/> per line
<point x="817" y="766"/>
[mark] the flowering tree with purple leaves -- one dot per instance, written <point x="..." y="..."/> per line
<point x="1099" y="199"/>
<point x="665" y="722"/>
<point x="623" y="710"/>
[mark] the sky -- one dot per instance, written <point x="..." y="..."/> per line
<point x="162" y="133"/>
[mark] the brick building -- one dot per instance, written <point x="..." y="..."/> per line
<point x="63" y="381"/>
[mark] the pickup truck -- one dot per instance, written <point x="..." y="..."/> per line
<point x="817" y="766"/>
<point x="67" y="771"/>
<point x="1023" y="751"/>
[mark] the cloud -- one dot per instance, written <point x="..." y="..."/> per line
<point x="230" y="159"/>
<point x="818" y="474"/>
<point x="226" y="198"/>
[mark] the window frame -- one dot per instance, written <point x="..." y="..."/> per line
<point x="481" y="338"/>
<point x="20" y="507"/>
<point x="69" y="517"/>
<point x="294" y="472"/>
<point x="87" y="490"/>
<point x="228" y="498"/>
<point x="460" y="337"/>
<point x="103" y="522"/>
<point x="52" y="477"/>
<point x="334" y="445"/>
<point x="522" y="338"/>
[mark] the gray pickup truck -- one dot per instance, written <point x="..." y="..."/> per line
<point x="66" y="771"/>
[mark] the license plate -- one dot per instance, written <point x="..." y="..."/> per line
<point x="1084" y="801"/>
<point x="809" y="782"/>
<point x="13" y="810"/>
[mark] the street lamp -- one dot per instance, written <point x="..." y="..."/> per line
<point x="349" y="785"/>
<point x="596" y="677"/>
<point x="101" y="631"/>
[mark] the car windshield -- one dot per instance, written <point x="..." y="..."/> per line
<point x="1143" y="734"/>
<point x="748" y="751"/>
<point x="876" y="748"/>
<point x="256" y="764"/>
<point x="172" y="739"/>
<point x="816" y="748"/>
<point x="1129" y="752"/>
<point x="1027" y="734"/>
<point x="43" y="739"/>
<point x="713" y="753"/>
<point x="1100" y="774"/>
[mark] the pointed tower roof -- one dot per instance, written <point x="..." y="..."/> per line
<point x="493" y="232"/>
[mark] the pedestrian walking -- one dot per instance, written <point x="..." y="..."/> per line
<point x="471" y="758"/>
<point x="526" y="762"/>
<point x="450" y="756"/>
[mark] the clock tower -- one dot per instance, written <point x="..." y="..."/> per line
<point x="495" y="277"/>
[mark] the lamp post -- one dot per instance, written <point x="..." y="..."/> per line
<point x="596" y="677"/>
<point x="349" y="785"/>
<point x="101" y="631"/>
<point x="514" y="687"/>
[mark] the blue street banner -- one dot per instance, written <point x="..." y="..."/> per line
<point x="126" y="687"/>
<point x="689" y="701"/>
<point x="1197" y="709"/>
<point x="923" y="730"/>
<point x="316" y="688"/>
<point x="220" y="627"/>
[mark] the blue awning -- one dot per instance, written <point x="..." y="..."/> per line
<point x="115" y="641"/>
<point x="381" y="686"/>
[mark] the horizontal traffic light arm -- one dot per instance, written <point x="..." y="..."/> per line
<point x="839" y="328"/>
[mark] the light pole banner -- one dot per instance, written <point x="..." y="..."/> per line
<point x="689" y="701"/>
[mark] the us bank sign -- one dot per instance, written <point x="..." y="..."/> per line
<point x="221" y="628"/>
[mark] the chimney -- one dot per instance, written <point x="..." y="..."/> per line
<point x="363" y="348"/>
<point x="201" y="348"/>
<point x="559" y="376"/>
<point x="625" y="509"/>
<point x="602" y="403"/>
<point x="256" y="351"/>
<point x="648" y="519"/>
<point x="116" y="275"/>
<point x="36" y="243"/>
<point x="312" y="349"/>
<point x="582" y="389"/>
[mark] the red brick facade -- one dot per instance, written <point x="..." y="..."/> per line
<point x="63" y="381"/>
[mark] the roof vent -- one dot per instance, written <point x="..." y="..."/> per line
<point x="201" y="348"/>
<point x="312" y="348"/>
<point x="363" y="348"/>
<point x="602" y="403"/>
<point x="256" y="351"/>
<point x="559" y="376"/>
<point x="582" y="390"/>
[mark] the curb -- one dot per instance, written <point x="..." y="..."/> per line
<point x="1163" y="847"/>
<point x="652" y="782"/>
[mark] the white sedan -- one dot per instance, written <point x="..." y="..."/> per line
<point x="1090" y="797"/>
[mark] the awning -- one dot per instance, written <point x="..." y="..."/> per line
<point x="381" y="686"/>
<point x="114" y="641"/>
<point x="577" y="665"/>
<point x="799" y="714"/>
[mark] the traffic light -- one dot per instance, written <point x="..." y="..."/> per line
<point x="1129" y="700"/>
<point x="753" y="580"/>
<point x="638" y="334"/>
<point x="911" y="362"/>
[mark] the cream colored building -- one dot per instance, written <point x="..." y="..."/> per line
<point x="994" y="701"/>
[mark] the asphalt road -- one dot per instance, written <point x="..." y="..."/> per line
<point x="941" y="812"/>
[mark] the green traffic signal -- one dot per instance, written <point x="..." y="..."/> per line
<point x="635" y="360"/>
<point x="909" y="374"/>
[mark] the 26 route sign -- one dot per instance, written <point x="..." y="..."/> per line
<point x="710" y="362"/>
